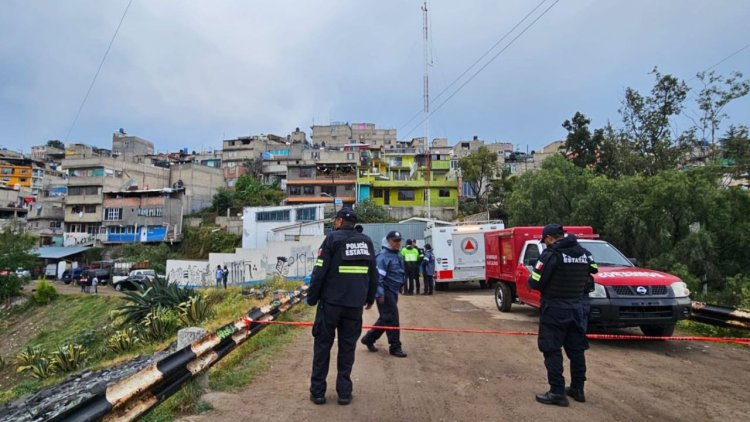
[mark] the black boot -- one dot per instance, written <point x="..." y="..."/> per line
<point x="576" y="394"/>
<point x="552" y="398"/>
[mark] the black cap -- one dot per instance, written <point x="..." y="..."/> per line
<point x="408" y="241"/>
<point x="347" y="214"/>
<point x="552" y="230"/>
<point x="393" y="234"/>
<point x="428" y="246"/>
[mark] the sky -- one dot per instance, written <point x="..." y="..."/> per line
<point x="192" y="73"/>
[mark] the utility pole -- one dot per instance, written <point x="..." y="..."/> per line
<point x="426" y="87"/>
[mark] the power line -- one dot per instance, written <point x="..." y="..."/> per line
<point x="486" y="53"/>
<point x="484" y="66"/>
<point x="728" y="57"/>
<point x="96" y="75"/>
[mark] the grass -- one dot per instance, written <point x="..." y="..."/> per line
<point x="700" y="329"/>
<point x="89" y="320"/>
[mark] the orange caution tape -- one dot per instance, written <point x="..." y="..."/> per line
<point x="735" y="340"/>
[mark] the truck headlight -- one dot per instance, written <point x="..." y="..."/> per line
<point x="680" y="289"/>
<point x="599" y="291"/>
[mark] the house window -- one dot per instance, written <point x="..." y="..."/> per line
<point x="305" y="172"/>
<point x="348" y="187"/>
<point x="295" y="190"/>
<point x="350" y="156"/>
<point x="281" y="215"/>
<point x="89" y="209"/>
<point x="308" y="190"/>
<point x="112" y="214"/>
<point x="6" y="170"/>
<point x="377" y="193"/>
<point x="23" y="180"/>
<point x="406" y="194"/>
<point x="444" y="193"/>
<point x="331" y="190"/>
<point x="306" y="214"/>
<point x="395" y="162"/>
<point x="151" y="212"/>
<point x="83" y="190"/>
<point x="400" y="175"/>
<point x="55" y="224"/>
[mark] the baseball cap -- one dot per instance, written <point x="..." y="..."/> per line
<point x="347" y="213"/>
<point x="552" y="229"/>
<point x="393" y="234"/>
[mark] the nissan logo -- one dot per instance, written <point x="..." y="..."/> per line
<point x="641" y="290"/>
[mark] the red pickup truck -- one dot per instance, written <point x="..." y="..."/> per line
<point x="624" y="295"/>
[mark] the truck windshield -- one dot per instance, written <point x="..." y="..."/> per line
<point x="606" y="254"/>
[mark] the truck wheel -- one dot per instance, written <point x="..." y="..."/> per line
<point x="503" y="298"/>
<point x="482" y="284"/>
<point x="658" y="330"/>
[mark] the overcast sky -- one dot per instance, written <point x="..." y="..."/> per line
<point x="191" y="73"/>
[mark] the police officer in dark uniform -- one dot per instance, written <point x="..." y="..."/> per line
<point x="344" y="280"/>
<point x="562" y="274"/>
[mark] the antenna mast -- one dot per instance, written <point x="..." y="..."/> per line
<point x="426" y="88"/>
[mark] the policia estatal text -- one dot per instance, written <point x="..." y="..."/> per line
<point x="344" y="280"/>
<point x="562" y="274"/>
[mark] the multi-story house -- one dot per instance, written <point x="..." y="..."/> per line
<point x="237" y="153"/>
<point x="47" y="215"/>
<point x="199" y="182"/>
<point x="89" y="178"/>
<point x="325" y="176"/>
<point x="13" y="207"/>
<point x="143" y="215"/>
<point x="339" y="134"/>
<point x="410" y="182"/>
<point x="129" y="145"/>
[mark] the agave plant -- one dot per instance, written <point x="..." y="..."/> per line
<point x="27" y="358"/>
<point x="160" y="323"/>
<point x="69" y="358"/>
<point x="151" y="295"/>
<point x="195" y="310"/>
<point x="123" y="340"/>
<point x="42" y="368"/>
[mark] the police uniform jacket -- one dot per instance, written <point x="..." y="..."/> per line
<point x="344" y="272"/>
<point x="562" y="273"/>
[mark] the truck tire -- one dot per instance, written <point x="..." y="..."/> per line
<point x="503" y="297"/>
<point x="483" y="284"/>
<point x="658" y="330"/>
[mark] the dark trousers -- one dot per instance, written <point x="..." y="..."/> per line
<point x="429" y="284"/>
<point x="224" y="280"/>
<point x="412" y="277"/>
<point x="563" y="328"/>
<point x="348" y="322"/>
<point x="388" y="311"/>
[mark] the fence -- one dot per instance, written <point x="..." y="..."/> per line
<point x="720" y="316"/>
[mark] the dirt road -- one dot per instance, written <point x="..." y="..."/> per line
<point x="74" y="289"/>
<point x="468" y="377"/>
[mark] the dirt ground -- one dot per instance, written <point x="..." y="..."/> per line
<point x="470" y="377"/>
<point x="72" y="288"/>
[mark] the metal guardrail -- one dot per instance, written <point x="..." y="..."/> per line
<point x="135" y="395"/>
<point x="720" y="316"/>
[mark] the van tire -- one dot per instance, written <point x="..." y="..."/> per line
<point x="503" y="297"/>
<point x="658" y="330"/>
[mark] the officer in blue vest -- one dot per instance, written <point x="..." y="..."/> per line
<point x="562" y="274"/>
<point x="343" y="281"/>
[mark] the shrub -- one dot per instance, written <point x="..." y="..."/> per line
<point x="27" y="358"/>
<point x="123" y="340"/>
<point x="151" y="295"/>
<point x="160" y="324"/>
<point x="68" y="358"/>
<point x="195" y="310"/>
<point x="45" y="292"/>
<point x="42" y="368"/>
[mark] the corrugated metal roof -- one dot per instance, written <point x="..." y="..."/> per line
<point x="57" y="252"/>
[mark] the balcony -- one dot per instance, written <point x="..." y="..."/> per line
<point x="414" y="184"/>
<point x="86" y="181"/>
<point x="440" y="165"/>
<point x="84" y="199"/>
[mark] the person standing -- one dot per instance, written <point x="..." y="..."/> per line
<point x="343" y="281"/>
<point x="390" y="279"/>
<point x="562" y="274"/>
<point x="95" y="283"/>
<point x="219" y="275"/>
<point x="428" y="269"/>
<point x="82" y="281"/>
<point x="410" y="255"/>
<point x="225" y="276"/>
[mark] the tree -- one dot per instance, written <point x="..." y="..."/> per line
<point x="648" y="119"/>
<point x="254" y="167"/>
<point x="54" y="143"/>
<point x="478" y="168"/>
<point x="580" y="143"/>
<point x="713" y="98"/>
<point x="198" y="242"/>
<point x="369" y="212"/>
<point x="15" y="252"/>
<point x="735" y="149"/>
<point x="248" y="192"/>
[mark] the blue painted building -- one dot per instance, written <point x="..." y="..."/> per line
<point x="143" y="216"/>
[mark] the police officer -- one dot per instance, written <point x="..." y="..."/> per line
<point x="562" y="274"/>
<point x="428" y="269"/>
<point x="410" y="255"/>
<point x="344" y="280"/>
<point x="390" y="279"/>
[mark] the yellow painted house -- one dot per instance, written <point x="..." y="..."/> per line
<point x="15" y="175"/>
<point x="400" y="179"/>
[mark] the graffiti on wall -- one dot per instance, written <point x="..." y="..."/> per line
<point x="189" y="273"/>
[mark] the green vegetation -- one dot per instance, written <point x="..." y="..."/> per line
<point x="45" y="292"/>
<point x="16" y="252"/>
<point x="198" y="242"/>
<point x="368" y="212"/>
<point x="248" y="192"/>
<point x="150" y="296"/>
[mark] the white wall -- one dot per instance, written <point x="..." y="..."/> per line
<point x="250" y="266"/>
<point x="255" y="234"/>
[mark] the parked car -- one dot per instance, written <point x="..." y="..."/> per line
<point x="50" y="271"/>
<point x="22" y="272"/>
<point x="130" y="283"/>
<point x="71" y="275"/>
<point x="102" y="274"/>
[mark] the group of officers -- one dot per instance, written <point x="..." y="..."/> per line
<point x="350" y="275"/>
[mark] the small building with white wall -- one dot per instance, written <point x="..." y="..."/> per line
<point x="279" y="223"/>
